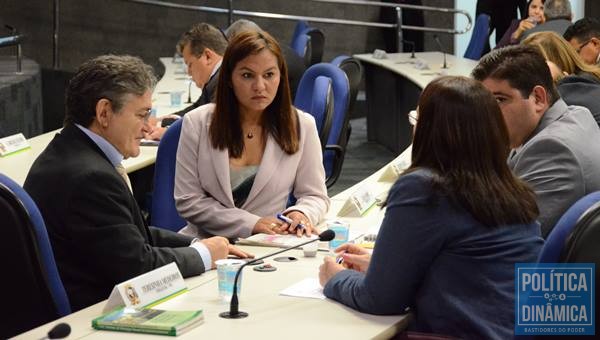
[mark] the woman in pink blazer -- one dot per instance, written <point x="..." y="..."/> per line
<point x="240" y="158"/>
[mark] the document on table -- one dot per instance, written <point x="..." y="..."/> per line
<point x="307" y="288"/>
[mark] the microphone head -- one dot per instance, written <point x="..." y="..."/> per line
<point x="62" y="330"/>
<point x="327" y="235"/>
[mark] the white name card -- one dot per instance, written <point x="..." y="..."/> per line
<point x="392" y="171"/>
<point x="13" y="144"/>
<point x="421" y="64"/>
<point x="357" y="204"/>
<point x="147" y="288"/>
<point x="379" y="54"/>
<point x="397" y="166"/>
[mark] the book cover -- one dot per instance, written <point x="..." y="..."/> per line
<point x="149" y="320"/>
<point x="281" y="241"/>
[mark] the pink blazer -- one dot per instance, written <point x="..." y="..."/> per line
<point x="203" y="190"/>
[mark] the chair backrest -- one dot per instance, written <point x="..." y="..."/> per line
<point x="164" y="213"/>
<point x="301" y="45"/>
<point x="339" y="120"/>
<point x="478" y="37"/>
<point x="34" y="293"/>
<point x="301" y="26"/>
<point x="309" y="44"/>
<point x="582" y="243"/>
<point x="354" y="72"/>
<point x="317" y="45"/>
<point x="556" y="240"/>
<point x="316" y="98"/>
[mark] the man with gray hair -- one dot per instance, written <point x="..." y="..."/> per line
<point x="558" y="18"/>
<point x="98" y="235"/>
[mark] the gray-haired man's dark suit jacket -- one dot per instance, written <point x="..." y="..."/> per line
<point x="97" y="232"/>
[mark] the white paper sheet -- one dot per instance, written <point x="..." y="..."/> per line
<point x="307" y="288"/>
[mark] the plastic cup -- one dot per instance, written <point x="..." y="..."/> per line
<point x="226" y="270"/>
<point x="342" y="232"/>
<point x="176" y="98"/>
<point x="310" y="250"/>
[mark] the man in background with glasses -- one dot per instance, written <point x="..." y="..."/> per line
<point x="584" y="36"/>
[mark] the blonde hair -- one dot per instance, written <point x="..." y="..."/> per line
<point x="557" y="50"/>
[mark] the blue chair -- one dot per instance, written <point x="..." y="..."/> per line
<point x="582" y="243"/>
<point x="164" y="214"/>
<point x="301" y="26"/>
<point x="354" y="72"/>
<point x="555" y="242"/>
<point x="34" y="292"/>
<point x="316" y="98"/>
<point x="308" y="42"/>
<point x="478" y="37"/>
<point x="312" y="88"/>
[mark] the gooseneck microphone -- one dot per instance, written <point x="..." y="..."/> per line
<point x="234" y="312"/>
<point x="60" y="331"/>
<point x="439" y="43"/>
<point x="412" y="47"/>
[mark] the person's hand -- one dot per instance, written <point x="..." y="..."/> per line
<point x="235" y="251"/>
<point x="355" y="257"/>
<point x="269" y="225"/>
<point x="299" y="218"/>
<point x="328" y="269"/>
<point x="218" y="247"/>
<point x="155" y="133"/>
<point x="524" y="25"/>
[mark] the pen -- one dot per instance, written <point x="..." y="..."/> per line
<point x="340" y="260"/>
<point x="289" y="220"/>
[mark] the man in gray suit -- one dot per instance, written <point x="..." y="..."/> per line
<point x="558" y="18"/>
<point x="554" y="145"/>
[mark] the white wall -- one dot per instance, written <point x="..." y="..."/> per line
<point x="462" y="40"/>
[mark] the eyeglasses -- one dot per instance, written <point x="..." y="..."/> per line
<point x="413" y="116"/>
<point x="578" y="49"/>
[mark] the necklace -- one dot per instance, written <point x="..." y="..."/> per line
<point x="250" y="135"/>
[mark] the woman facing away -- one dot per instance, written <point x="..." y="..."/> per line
<point x="535" y="16"/>
<point x="239" y="159"/>
<point x="577" y="82"/>
<point x="457" y="221"/>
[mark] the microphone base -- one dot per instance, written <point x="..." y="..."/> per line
<point x="238" y="315"/>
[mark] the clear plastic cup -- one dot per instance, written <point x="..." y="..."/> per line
<point x="176" y="98"/>
<point x="342" y="233"/>
<point x="226" y="270"/>
<point x="310" y="250"/>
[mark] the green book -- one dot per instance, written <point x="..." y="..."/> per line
<point x="149" y="320"/>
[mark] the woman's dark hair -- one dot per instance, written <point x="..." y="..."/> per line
<point x="279" y="119"/>
<point x="462" y="137"/>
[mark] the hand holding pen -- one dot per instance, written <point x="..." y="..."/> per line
<point x="297" y="223"/>
<point x="353" y="257"/>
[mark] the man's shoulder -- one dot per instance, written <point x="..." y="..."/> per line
<point x="67" y="162"/>
<point x="571" y="133"/>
